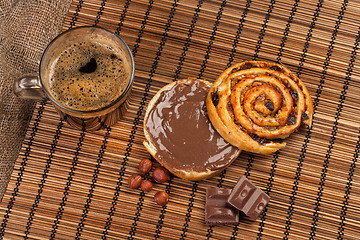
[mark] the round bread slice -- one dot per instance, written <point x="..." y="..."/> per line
<point x="179" y="134"/>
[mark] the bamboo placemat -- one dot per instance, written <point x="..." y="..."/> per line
<point x="70" y="184"/>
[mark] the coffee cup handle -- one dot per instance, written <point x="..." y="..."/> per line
<point x="29" y="87"/>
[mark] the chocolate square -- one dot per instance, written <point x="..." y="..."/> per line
<point x="248" y="198"/>
<point x="217" y="210"/>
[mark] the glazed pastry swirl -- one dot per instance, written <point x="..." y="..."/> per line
<point x="255" y="104"/>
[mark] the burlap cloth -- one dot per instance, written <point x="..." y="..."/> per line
<point x="26" y="27"/>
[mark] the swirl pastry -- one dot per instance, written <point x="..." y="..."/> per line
<point x="256" y="104"/>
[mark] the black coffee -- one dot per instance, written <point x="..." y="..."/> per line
<point x="88" y="75"/>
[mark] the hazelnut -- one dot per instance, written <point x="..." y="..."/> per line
<point x="161" y="198"/>
<point x="134" y="181"/>
<point x="145" y="165"/>
<point x="146" y="186"/>
<point x="161" y="175"/>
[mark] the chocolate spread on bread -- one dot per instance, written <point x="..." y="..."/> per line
<point x="182" y="133"/>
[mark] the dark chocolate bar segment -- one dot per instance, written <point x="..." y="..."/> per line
<point x="248" y="198"/>
<point x="217" y="210"/>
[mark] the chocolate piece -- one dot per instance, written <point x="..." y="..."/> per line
<point x="230" y="107"/>
<point x="275" y="68"/>
<point x="304" y="116"/>
<point x="248" y="198"/>
<point x="254" y="136"/>
<point x="294" y="95"/>
<point x="269" y="105"/>
<point x="291" y="120"/>
<point x="247" y="65"/>
<point x="217" y="210"/>
<point x="262" y="141"/>
<point x="215" y="98"/>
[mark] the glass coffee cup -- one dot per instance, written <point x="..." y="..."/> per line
<point x="87" y="73"/>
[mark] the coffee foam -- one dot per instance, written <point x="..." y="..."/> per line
<point x="94" y="87"/>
